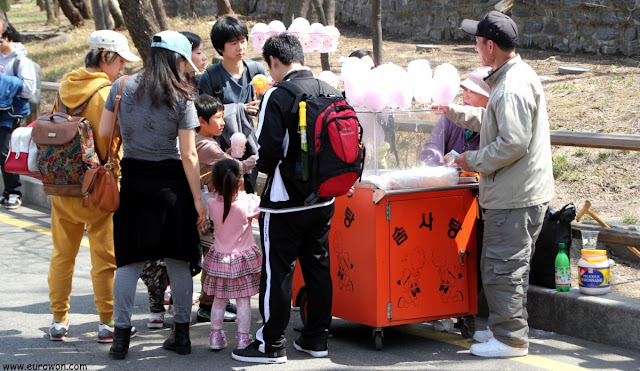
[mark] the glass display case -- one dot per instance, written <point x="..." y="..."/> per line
<point x="394" y="139"/>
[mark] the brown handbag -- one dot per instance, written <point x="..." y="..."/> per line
<point x="100" y="185"/>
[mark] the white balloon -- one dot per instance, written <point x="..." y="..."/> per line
<point x="446" y="84"/>
<point x="260" y="27"/>
<point x="276" y="27"/>
<point x="301" y="22"/>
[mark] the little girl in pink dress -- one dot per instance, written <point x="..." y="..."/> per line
<point x="234" y="262"/>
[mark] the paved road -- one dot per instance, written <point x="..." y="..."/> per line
<point x="25" y="247"/>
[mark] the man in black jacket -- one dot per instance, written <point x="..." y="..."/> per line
<point x="289" y="229"/>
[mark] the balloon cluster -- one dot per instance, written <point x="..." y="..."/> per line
<point x="313" y="37"/>
<point x="390" y="86"/>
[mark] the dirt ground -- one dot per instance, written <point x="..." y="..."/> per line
<point x="600" y="100"/>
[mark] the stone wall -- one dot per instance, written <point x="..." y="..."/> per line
<point x="592" y="26"/>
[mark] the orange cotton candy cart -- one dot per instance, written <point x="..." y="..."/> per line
<point x="403" y="256"/>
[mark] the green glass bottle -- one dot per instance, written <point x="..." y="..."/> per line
<point x="563" y="269"/>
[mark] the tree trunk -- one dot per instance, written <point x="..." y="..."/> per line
<point x="41" y="5"/>
<point x="101" y="15"/>
<point x="224" y="8"/>
<point x="376" y="28"/>
<point x="83" y="8"/>
<point x="51" y="7"/>
<point x="72" y="13"/>
<point x="294" y="9"/>
<point x="141" y="21"/>
<point x="161" y="15"/>
<point x="116" y="13"/>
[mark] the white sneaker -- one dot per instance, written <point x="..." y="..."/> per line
<point x="229" y="317"/>
<point x="156" y="320"/>
<point x="483" y="336"/>
<point x="494" y="348"/>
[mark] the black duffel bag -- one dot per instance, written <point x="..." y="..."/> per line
<point x="556" y="229"/>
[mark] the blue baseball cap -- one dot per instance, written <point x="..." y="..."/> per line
<point x="176" y="42"/>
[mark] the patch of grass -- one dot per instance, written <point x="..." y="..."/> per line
<point x="580" y="152"/>
<point x="587" y="218"/>
<point x="553" y="127"/>
<point x="604" y="155"/>
<point x="630" y="219"/>
<point x="567" y="88"/>
<point x="564" y="170"/>
<point x="26" y="13"/>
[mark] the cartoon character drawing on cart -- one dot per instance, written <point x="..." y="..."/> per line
<point x="344" y="264"/>
<point x="449" y="275"/>
<point x="413" y="263"/>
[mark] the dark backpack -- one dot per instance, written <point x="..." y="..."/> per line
<point x="216" y="78"/>
<point x="334" y="138"/>
<point x="34" y="101"/>
<point x="66" y="149"/>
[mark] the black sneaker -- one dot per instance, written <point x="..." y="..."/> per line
<point x="231" y="308"/>
<point x="253" y="354"/>
<point x="203" y="315"/>
<point x="314" y="348"/>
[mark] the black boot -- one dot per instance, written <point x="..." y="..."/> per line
<point x="178" y="340"/>
<point x="120" y="346"/>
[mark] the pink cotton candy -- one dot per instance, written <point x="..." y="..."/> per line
<point x="419" y="72"/>
<point x="446" y="83"/>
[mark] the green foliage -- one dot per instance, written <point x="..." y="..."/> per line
<point x="580" y="152"/>
<point x="630" y="219"/>
<point x="567" y="88"/>
<point x="564" y="170"/>
<point x="604" y="155"/>
<point x="25" y="12"/>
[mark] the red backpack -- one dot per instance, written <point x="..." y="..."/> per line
<point x="334" y="139"/>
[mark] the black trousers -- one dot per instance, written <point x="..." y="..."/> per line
<point x="11" y="181"/>
<point x="302" y="235"/>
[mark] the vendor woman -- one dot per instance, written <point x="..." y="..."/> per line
<point x="447" y="136"/>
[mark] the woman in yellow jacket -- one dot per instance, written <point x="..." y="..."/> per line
<point x="88" y="86"/>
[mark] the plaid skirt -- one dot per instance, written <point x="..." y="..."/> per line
<point x="234" y="275"/>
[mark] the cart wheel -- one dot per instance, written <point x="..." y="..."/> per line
<point x="467" y="326"/>
<point x="304" y="307"/>
<point x="378" y="335"/>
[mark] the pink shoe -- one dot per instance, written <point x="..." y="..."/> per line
<point x="217" y="340"/>
<point x="244" y="340"/>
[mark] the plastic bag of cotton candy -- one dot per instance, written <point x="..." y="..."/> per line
<point x="416" y="178"/>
